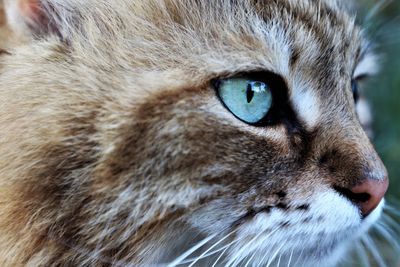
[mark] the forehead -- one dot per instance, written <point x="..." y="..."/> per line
<point x="310" y="43"/>
<point x="231" y="36"/>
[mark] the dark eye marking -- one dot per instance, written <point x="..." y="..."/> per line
<point x="355" y="89"/>
<point x="355" y="85"/>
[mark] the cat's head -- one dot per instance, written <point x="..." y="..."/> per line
<point x="223" y="131"/>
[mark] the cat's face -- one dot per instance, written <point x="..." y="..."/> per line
<point x="167" y="154"/>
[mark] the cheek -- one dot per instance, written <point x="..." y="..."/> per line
<point x="194" y="135"/>
<point x="192" y="151"/>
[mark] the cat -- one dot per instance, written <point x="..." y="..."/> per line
<point x="184" y="133"/>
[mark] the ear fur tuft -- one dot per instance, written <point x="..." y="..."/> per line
<point x="29" y="18"/>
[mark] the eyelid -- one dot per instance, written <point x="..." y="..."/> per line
<point x="368" y="66"/>
<point x="361" y="77"/>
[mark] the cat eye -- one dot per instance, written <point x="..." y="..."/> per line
<point x="355" y="89"/>
<point x="248" y="99"/>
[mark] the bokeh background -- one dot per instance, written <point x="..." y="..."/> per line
<point x="383" y="90"/>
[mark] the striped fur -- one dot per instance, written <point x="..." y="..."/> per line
<point x="115" y="151"/>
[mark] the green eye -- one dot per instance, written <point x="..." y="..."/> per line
<point x="247" y="99"/>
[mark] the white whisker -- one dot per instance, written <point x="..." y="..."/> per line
<point x="362" y="255"/>
<point x="385" y="233"/>
<point x="299" y="257"/>
<point x="377" y="8"/>
<point x="290" y="258"/>
<point x="275" y="255"/>
<point x="191" y="250"/>
<point x="220" y="256"/>
<point x="215" y="251"/>
<point x="210" y="248"/>
<point x="262" y="259"/>
<point x="389" y="221"/>
<point x="368" y="242"/>
<point x="266" y="254"/>
<point x="279" y="260"/>
<point x="250" y="259"/>
<point x="238" y="258"/>
<point x="393" y="210"/>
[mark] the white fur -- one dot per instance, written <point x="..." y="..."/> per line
<point x="368" y="66"/>
<point x="306" y="105"/>
<point x="341" y="224"/>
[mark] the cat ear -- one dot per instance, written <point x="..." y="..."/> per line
<point x="30" y="18"/>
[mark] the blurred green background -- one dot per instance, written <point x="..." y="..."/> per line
<point x="383" y="90"/>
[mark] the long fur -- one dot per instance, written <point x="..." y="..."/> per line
<point x="115" y="150"/>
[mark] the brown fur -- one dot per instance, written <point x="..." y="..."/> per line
<point x="113" y="142"/>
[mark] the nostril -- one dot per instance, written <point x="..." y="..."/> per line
<point x="366" y="196"/>
<point x="356" y="198"/>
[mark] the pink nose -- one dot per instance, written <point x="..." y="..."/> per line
<point x="369" y="194"/>
<point x="366" y="195"/>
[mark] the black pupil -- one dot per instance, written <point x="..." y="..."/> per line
<point x="354" y="87"/>
<point x="249" y="93"/>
